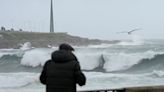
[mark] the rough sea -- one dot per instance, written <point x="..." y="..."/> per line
<point x="126" y="64"/>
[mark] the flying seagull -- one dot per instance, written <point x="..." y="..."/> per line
<point x="129" y="32"/>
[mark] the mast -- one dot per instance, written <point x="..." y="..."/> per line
<point x="51" y="19"/>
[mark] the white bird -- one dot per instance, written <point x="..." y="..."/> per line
<point x="130" y="32"/>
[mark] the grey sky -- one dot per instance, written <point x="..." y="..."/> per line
<point x="100" y="19"/>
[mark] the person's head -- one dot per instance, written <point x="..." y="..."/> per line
<point x="66" y="47"/>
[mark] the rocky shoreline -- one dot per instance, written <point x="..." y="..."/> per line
<point x="13" y="39"/>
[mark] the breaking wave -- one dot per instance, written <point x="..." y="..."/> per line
<point x="32" y="60"/>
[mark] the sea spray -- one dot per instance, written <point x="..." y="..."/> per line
<point x="135" y="40"/>
<point x="35" y="57"/>
<point x="133" y="58"/>
<point x="26" y="46"/>
<point x="88" y="61"/>
<point x="122" y="61"/>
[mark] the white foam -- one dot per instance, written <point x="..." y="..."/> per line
<point x="36" y="57"/>
<point x="53" y="47"/>
<point x="1" y="54"/>
<point x="12" y="80"/>
<point x="88" y="61"/>
<point x="26" y="46"/>
<point x="122" y="61"/>
<point x="29" y="82"/>
<point x="100" y="46"/>
<point x="18" y="53"/>
<point x="156" y="73"/>
<point x="135" y="40"/>
<point x="97" y="80"/>
<point x="1" y="36"/>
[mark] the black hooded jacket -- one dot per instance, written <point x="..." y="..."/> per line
<point x="62" y="72"/>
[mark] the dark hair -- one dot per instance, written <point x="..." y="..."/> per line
<point x="65" y="46"/>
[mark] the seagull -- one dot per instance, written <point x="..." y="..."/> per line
<point x="130" y="32"/>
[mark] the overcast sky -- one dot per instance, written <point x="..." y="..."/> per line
<point x="100" y="19"/>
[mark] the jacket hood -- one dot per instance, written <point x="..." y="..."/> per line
<point x="61" y="56"/>
<point x="65" y="46"/>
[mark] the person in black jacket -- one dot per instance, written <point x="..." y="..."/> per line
<point x="62" y="72"/>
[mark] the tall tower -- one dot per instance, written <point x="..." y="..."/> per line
<point x="51" y="18"/>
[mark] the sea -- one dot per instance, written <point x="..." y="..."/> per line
<point x="106" y="66"/>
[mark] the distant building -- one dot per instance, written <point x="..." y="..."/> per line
<point x="20" y="30"/>
<point x="3" y="28"/>
<point x="12" y="29"/>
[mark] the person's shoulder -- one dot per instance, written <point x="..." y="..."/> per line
<point x="54" y="52"/>
<point x="75" y="62"/>
<point x="47" y="62"/>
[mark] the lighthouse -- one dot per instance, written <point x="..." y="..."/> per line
<point x="51" y="18"/>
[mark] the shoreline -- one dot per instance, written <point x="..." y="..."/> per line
<point x="13" y="39"/>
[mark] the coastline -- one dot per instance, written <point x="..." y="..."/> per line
<point x="13" y="39"/>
